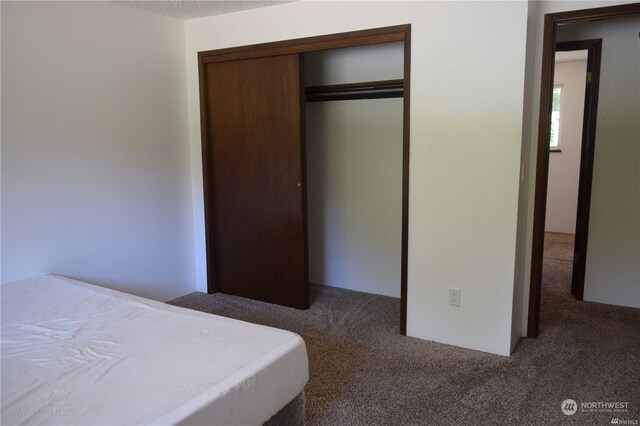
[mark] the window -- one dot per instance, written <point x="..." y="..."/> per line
<point x="554" y="140"/>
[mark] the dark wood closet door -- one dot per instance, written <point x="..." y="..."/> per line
<point x="254" y="193"/>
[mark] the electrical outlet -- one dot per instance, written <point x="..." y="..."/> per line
<point x="454" y="297"/>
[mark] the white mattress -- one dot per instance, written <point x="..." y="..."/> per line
<point x="74" y="353"/>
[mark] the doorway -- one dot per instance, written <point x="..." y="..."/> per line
<point x="565" y="146"/>
<point x="571" y="153"/>
<point x="593" y="50"/>
<point x="552" y="22"/>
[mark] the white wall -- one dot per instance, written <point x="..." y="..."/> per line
<point x="354" y="173"/>
<point x="523" y="230"/>
<point x="613" y="251"/>
<point x="95" y="154"/>
<point x="465" y="147"/>
<point x="564" y="165"/>
<point x="537" y="10"/>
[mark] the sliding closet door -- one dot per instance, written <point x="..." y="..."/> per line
<point x="254" y="193"/>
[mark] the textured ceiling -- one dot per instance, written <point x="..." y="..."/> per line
<point x="198" y="9"/>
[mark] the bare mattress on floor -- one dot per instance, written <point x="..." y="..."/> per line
<point x="75" y="353"/>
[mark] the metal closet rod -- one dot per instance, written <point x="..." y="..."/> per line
<point x="367" y="90"/>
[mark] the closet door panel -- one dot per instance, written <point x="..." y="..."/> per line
<point x="254" y="196"/>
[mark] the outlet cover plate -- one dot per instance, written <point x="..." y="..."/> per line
<point x="454" y="297"/>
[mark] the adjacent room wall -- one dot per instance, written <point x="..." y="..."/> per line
<point x="613" y="250"/>
<point x="465" y="147"/>
<point x="95" y="153"/>
<point x="354" y="173"/>
<point x="564" y="165"/>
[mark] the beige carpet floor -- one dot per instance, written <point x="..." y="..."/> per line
<point x="364" y="373"/>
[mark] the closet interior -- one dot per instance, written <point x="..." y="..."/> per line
<point x="305" y="147"/>
<point x="353" y="117"/>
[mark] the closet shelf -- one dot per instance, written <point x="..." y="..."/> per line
<point x="367" y="90"/>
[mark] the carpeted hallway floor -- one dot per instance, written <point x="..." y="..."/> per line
<point x="364" y="373"/>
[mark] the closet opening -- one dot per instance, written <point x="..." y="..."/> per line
<point x="254" y="101"/>
<point x="354" y="128"/>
